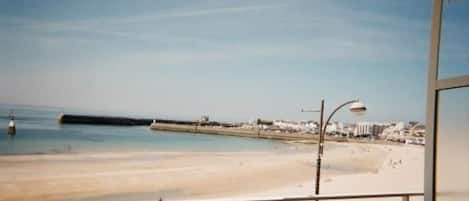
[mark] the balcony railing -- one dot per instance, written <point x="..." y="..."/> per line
<point x="403" y="196"/>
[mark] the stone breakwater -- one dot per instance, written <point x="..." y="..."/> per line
<point x="127" y="121"/>
<point x="233" y="131"/>
<point x="102" y="120"/>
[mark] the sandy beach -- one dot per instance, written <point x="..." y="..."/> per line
<point x="348" y="168"/>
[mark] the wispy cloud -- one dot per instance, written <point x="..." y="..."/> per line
<point x="116" y="26"/>
<point x="340" y="37"/>
<point x="146" y="17"/>
<point x="216" y="11"/>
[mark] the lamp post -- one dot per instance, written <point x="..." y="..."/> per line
<point x="356" y="107"/>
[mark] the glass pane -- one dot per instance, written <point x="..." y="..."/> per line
<point x="452" y="175"/>
<point x="454" y="49"/>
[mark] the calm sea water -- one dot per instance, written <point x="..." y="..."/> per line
<point x="38" y="132"/>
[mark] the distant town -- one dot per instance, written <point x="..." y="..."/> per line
<point x="412" y="132"/>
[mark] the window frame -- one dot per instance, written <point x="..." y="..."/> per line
<point x="435" y="85"/>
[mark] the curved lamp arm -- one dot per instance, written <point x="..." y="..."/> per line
<point x="335" y="110"/>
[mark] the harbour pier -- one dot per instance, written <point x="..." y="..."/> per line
<point x="127" y="121"/>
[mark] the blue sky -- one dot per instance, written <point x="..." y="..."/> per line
<point x="232" y="60"/>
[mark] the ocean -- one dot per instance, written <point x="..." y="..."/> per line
<point x="38" y="132"/>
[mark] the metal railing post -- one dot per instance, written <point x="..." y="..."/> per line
<point x="405" y="198"/>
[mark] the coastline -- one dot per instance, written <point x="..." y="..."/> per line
<point x="204" y="175"/>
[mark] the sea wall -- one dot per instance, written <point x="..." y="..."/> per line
<point x="126" y="121"/>
<point x="102" y="120"/>
<point x="231" y="131"/>
<point x="110" y="120"/>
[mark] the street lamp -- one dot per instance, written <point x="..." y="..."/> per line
<point x="356" y="107"/>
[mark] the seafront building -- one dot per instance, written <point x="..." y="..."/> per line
<point x="394" y="128"/>
<point x="295" y="126"/>
<point x="369" y="129"/>
<point x="335" y="128"/>
<point x="412" y="132"/>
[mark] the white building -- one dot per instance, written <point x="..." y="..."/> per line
<point x="369" y="129"/>
<point x="306" y="126"/>
<point x="288" y="125"/>
<point x="335" y="127"/>
<point x="310" y="126"/>
<point x="394" y="128"/>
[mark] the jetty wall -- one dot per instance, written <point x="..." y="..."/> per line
<point x="102" y="120"/>
<point x="126" y="121"/>
<point x="232" y="131"/>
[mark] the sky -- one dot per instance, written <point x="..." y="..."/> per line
<point x="231" y="60"/>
